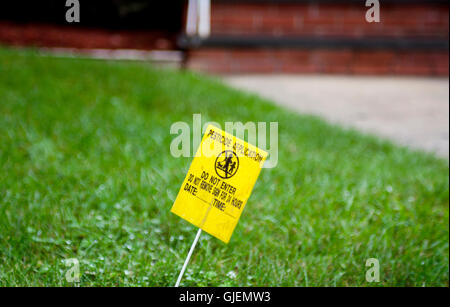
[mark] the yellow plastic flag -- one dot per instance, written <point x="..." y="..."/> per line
<point x="218" y="183"/>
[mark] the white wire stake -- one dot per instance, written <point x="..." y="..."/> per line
<point x="199" y="232"/>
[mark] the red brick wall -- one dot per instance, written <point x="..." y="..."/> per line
<point x="325" y="19"/>
<point x="225" y="61"/>
<point x="47" y="35"/>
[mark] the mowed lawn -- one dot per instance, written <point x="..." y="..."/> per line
<point x="86" y="172"/>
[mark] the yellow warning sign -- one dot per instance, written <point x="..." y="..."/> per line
<point x="219" y="182"/>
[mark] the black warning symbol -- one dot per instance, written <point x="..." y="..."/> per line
<point x="227" y="164"/>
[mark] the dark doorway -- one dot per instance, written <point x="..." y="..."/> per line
<point x="141" y="24"/>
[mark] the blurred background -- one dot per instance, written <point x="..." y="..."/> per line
<point x="248" y="36"/>
<point x="388" y="77"/>
<point x="86" y="169"/>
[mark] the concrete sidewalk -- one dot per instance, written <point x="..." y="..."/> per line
<point x="410" y="111"/>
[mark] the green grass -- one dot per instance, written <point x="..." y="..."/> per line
<point x="86" y="172"/>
